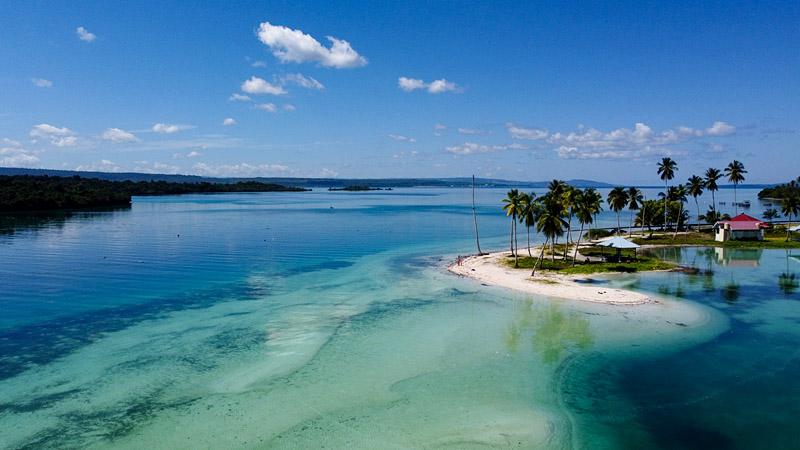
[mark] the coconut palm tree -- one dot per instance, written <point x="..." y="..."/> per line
<point x="790" y="207"/>
<point x="771" y="214"/>
<point x="712" y="176"/>
<point x="595" y="199"/>
<point x="635" y="199"/>
<point x="512" y="208"/>
<point x="528" y="213"/>
<point x="551" y="224"/>
<point x="695" y="188"/>
<point x="617" y="200"/>
<point x="735" y="173"/>
<point x="666" y="170"/>
<point x="585" y="208"/>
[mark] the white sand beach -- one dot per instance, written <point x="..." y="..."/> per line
<point x="491" y="270"/>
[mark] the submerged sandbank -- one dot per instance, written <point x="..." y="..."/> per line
<point x="490" y="269"/>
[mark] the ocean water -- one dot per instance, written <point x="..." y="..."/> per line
<point x="326" y="319"/>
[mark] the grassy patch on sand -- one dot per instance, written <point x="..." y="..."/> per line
<point x="583" y="267"/>
<point x="773" y="239"/>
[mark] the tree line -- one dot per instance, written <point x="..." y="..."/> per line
<point x="552" y="213"/>
<point x="43" y="193"/>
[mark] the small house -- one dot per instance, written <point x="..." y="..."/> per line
<point x="740" y="228"/>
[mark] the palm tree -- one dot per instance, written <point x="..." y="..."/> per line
<point x="790" y="207"/>
<point x="695" y="188"/>
<point x="712" y="175"/>
<point x="617" y="199"/>
<point x="666" y="169"/>
<point x="551" y="224"/>
<point x="771" y="214"/>
<point x="635" y="199"/>
<point x="528" y="214"/>
<point x="735" y="173"/>
<point x="585" y="208"/>
<point x="512" y="208"/>
<point x="595" y="199"/>
<point x="678" y="194"/>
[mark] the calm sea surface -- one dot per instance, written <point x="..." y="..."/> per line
<point x="324" y="319"/>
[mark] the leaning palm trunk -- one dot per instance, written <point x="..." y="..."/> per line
<point x="678" y="221"/>
<point x="553" y="251"/>
<point x="644" y="218"/>
<point x="529" y="241"/>
<point x="541" y="255"/>
<point x="577" y="244"/>
<point x="630" y="225"/>
<point x="698" y="213"/>
<point x="511" y="237"/>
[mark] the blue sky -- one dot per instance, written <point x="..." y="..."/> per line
<point x="517" y="90"/>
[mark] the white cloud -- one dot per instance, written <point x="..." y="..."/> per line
<point x="239" y="98"/>
<point x="290" y="45"/>
<point x="118" y="135"/>
<point x="471" y="131"/>
<point x="328" y="173"/>
<point x="85" y="35"/>
<point x="41" y="82"/>
<point x="289" y="107"/>
<point x="166" y="128"/>
<point x="303" y="81"/>
<point x="193" y="154"/>
<point x="401" y="138"/>
<point x="257" y="85"/>
<point x="270" y="107"/>
<point x="104" y="165"/>
<point x="434" y="87"/>
<point x="259" y="64"/>
<point x="60" y="137"/>
<point x="240" y="170"/>
<point x="532" y="134"/>
<point x="229" y="121"/>
<point x="438" y="129"/>
<point x="471" y="148"/>
<point x="621" y="143"/>
<point x="720" y="129"/>
<point x="12" y="154"/>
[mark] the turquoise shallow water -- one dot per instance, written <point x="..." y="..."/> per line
<point x="303" y="320"/>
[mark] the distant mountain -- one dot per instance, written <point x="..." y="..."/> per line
<point x="304" y="182"/>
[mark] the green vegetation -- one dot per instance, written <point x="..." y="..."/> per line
<point x="775" y="238"/>
<point x="44" y="193"/>
<point x="781" y="191"/>
<point x="644" y="263"/>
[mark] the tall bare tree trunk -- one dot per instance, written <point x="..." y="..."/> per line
<point x="578" y="244"/>
<point x="541" y="255"/>
<point x="475" y="217"/>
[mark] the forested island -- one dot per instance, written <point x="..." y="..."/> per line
<point x="781" y="191"/>
<point x="45" y="193"/>
<point x="358" y="188"/>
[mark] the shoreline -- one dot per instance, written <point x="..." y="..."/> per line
<point x="490" y="270"/>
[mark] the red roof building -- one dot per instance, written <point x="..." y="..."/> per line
<point x="741" y="227"/>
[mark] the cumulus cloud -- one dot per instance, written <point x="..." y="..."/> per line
<point x="401" y="138"/>
<point x="60" y="137"/>
<point x="434" y="87"/>
<point x="289" y="107"/>
<point x="471" y="131"/>
<point x="621" y="143"/>
<point x="166" y="128"/>
<point x="439" y="129"/>
<point x="118" y="136"/>
<point x="258" y="64"/>
<point x="239" y="98"/>
<point x="269" y="107"/>
<point x="290" y="45"/>
<point x="720" y="129"/>
<point x="13" y="154"/>
<point x="471" y="148"/>
<point x="303" y="81"/>
<point x="229" y="121"/>
<point x="85" y="35"/>
<point x="104" y="165"/>
<point x="41" y="82"/>
<point x="257" y="85"/>
<point x="240" y="170"/>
